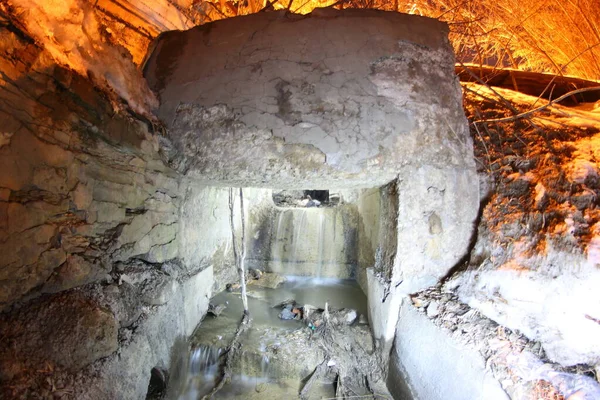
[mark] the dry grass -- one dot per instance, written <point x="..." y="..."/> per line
<point x="560" y="37"/>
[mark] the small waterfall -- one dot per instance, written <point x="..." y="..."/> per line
<point x="200" y="374"/>
<point x="309" y="242"/>
<point x="322" y="245"/>
<point x="278" y="246"/>
<point x="204" y="360"/>
<point x="300" y="234"/>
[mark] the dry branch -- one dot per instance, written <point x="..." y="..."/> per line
<point x="242" y="261"/>
<point x="239" y="259"/>
<point x="538" y="109"/>
<point x="316" y="375"/>
<point x="232" y="349"/>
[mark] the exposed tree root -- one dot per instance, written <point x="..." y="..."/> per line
<point x="316" y="375"/>
<point x="233" y="348"/>
<point x="354" y="366"/>
<point x="239" y="257"/>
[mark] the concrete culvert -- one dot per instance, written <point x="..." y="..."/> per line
<point x="322" y="169"/>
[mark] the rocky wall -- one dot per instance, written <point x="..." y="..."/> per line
<point x="81" y="187"/>
<point x="93" y="292"/>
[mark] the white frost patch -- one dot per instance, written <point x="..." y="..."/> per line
<point x="593" y="249"/>
<point x="559" y="313"/>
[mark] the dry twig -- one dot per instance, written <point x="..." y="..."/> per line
<point x="538" y="109"/>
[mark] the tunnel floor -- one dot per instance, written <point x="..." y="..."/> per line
<point x="277" y="356"/>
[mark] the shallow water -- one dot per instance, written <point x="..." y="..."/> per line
<point x="255" y="376"/>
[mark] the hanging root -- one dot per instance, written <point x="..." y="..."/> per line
<point x="233" y="348"/>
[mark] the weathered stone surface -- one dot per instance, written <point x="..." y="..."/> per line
<point x="361" y="96"/>
<point x="123" y="300"/>
<point x="66" y="330"/>
<point x="81" y="187"/>
<point x="75" y="271"/>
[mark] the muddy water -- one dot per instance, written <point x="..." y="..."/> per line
<point x="276" y="354"/>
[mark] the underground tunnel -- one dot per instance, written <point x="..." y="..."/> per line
<point x="257" y="201"/>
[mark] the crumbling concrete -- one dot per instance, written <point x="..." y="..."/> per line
<point x="362" y="95"/>
<point x="363" y="99"/>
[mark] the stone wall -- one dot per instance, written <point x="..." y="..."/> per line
<point x="81" y="187"/>
<point x="93" y="289"/>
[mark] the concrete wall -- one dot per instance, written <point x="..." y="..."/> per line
<point x="206" y="228"/>
<point x="377" y="242"/>
<point x="331" y="99"/>
<point x="369" y="211"/>
<point x="364" y="99"/>
<point x="427" y="364"/>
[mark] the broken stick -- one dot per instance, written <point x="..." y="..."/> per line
<point x="232" y="349"/>
<point x="316" y="375"/>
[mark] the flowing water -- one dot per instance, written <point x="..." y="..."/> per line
<point x="310" y="242"/>
<point x="310" y="248"/>
<point x="275" y="352"/>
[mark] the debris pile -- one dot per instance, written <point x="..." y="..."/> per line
<point x="356" y="370"/>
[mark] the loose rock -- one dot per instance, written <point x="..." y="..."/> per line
<point x="217" y="309"/>
<point x="433" y="309"/>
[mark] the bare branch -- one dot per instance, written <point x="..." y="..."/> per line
<point x="530" y="112"/>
